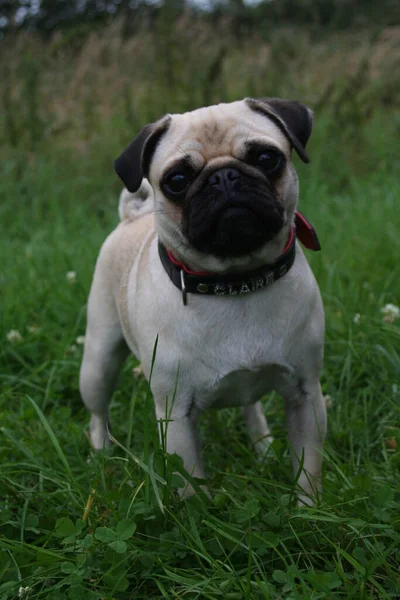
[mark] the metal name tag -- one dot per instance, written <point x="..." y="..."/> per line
<point x="231" y="289"/>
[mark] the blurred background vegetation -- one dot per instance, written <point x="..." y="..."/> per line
<point x="73" y="72"/>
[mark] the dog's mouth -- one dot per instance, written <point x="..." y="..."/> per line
<point x="236" y="214"/>
<point x="236" y="230"/>
<point x="232" y="215"/>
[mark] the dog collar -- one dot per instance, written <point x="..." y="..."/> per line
<point x="238" y="284"/>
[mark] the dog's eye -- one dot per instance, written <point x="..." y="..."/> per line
<point x="176" y="184"/>
<point x="269" y="161"/>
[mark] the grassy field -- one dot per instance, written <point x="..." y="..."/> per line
<point x="78" y="525"/>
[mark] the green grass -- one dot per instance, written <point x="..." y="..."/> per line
<point x="75" y="524"/>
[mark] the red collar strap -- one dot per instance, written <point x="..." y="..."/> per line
<point x="237" y="284"/>
<point x="306" y="232"/>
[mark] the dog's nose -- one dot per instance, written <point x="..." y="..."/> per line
<point x="223" y="178"/>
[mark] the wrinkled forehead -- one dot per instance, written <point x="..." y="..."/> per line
<point x="216" y="131"/>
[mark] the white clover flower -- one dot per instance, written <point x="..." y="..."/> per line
<point x="14" y="336"/>
<point x="328" y="401"/>
<point x="80" y="340"/>
<point x="71" y="277"/>
<point x="34" y="329"/>
<point x="356" y="319"/>
<point x="138" y="372"/>
<point x="23" y="591"/>
<point x="391" y="312"/>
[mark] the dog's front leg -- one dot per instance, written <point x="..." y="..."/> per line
<point x="181" y="437"/>
<point x="104" y="353"/>
<point x="101" y="364"/>
<point x="258" y="428"/>
<point x="306" y="419"/>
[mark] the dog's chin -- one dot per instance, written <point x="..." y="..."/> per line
<point x="237" y="232"/>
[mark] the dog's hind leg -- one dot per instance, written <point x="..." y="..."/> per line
<point x="104" y="352"/>
<point x="258" y="428"/>
<point x="306" y="418"/>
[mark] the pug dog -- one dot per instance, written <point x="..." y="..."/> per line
<point x="206" y="262"/>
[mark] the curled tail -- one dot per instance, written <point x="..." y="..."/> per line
<point x="131" y="206"/>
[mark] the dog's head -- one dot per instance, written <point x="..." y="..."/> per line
<point x="224" y="184"/>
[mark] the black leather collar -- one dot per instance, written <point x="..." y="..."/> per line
<point x="238" y="284"/>
<point x="229" y="284"/>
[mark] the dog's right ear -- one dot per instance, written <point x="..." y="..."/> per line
<point x="292" y="117"/>
<point x="134" y="162"/>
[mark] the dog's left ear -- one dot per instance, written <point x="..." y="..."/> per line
<point x="134" y="162"/>
<point x="292" y="117"/>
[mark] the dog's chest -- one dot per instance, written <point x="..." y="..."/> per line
<point x="237" y="358"/>
<point x="223" y="351"/>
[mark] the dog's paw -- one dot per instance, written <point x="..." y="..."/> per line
<point x="262" y="447"/>
<point x="138" y="372"/>
<point x="303" y="501"/>
<point x="309" y="492"/>
<point x="188" y="491"/>
<point x="99" y="433"/>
